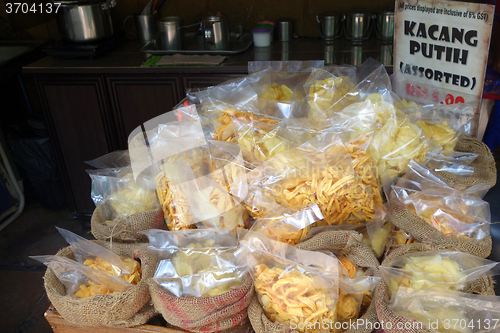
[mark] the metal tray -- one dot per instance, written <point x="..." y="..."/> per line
<point x="192" y="46"/>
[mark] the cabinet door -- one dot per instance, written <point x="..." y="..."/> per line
<point x="137" y="99"/>
<point x="76" y="111"/>
<point x="197" y="81"/>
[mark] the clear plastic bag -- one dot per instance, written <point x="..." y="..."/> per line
<point x="115" y="159"/>
<point x="293" y="286"/>
<point x="288" y="225"/>
<point x="83" y="249"/>
<point x="379" y="231"/>
<point x="443" y="123"/>
<point x="454" y="162"/>
<point x="121" y="194"/>
<point x="448" y="311"/>
<point x="196" y="263"/>
<point x="310" y="174"/>
<point x="442" y="269"/>
<point x="80" y="280"/>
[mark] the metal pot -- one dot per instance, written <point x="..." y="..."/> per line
<point x="330" y="26"/>
<point x="215" y="31"/>
<point x="385" y="26"/>
<point x="170" y="36"/>
<point x="85" y="21"/>
<point x="358" y="26"/>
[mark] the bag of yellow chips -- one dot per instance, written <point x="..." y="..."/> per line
<point x="443" y="269"/>
<point x="448" y="311"/>
<point x="443" y="123"/>
<point x="197" y="263"/>
<point x="288" y="225"/>
<point x="294" y="287"/>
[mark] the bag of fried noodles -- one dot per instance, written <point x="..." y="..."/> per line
<point x="95" y="295"/>
<point x="198" y="285"/>
<point x="317" y="172"/>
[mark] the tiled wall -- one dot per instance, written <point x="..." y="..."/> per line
<point x="303" y="12"/>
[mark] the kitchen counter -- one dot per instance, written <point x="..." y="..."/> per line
<point x="127" y="58"/>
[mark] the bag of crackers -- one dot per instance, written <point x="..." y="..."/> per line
<point x="125" y="205"/>
<point x="95" y="284"/>
<point x="199" y="285"/>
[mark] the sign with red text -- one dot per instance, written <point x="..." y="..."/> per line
<point x="441" y="50"/>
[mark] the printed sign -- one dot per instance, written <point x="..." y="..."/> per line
<point x="441" y="50"/>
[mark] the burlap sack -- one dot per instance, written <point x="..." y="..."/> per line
<point x="485" y="170"/>
<point x="482" y="286"/>
<point x="127" y="309"/>
<point x="126" y="229"/>
<point x="350" y="244"/>
<point x="423" y="232"/>
<point x="204" y="314"/>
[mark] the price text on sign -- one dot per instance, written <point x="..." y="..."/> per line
<point x="436" y="97"/>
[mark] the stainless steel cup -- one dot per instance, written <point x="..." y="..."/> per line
<point x="145" y="27"/>
<point x="284" y="30"/>
<point x="169" y="35"/>
<point x="330" y="26"/>
<point x="385" y="26"/>
<point x="357" y="26"/>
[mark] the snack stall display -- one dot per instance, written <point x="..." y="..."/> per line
<point x="289" y="201"/>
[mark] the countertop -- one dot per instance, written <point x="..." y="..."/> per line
<point x="128" y="57"/>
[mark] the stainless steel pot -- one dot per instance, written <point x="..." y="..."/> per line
<point x="385" y="26"/>
<point x="330" y="26"/>
<point x="358" y="26"/>
<point x="215" y="31"/>
<point x="85" y="21"/>
<point x="170" y="35"/>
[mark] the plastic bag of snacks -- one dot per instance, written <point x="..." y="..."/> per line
<point x="294" y="287"/>
<point x="378" y="231"/>
<point x="198" y="285"/>
<point x="310" y="174"/>
<point x="448" y="311"/>
<point x="425" y="208"/>
<point x="482" y="286"/>
<point x="115" y="159"/>
<point x="443" y="269"/>
<point x="91" y="293"/>
<point x="444" y="123"/>
<point x="397" y="140"/>
<point x="453" y="162"/>
<point x="484" y="165"/>
<point x="288" y="225"/>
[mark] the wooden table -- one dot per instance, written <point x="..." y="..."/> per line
<point x="61" y="325"/>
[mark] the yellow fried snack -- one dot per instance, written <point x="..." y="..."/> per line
<point x="379" y="241"/>
<point x="132" y="199"/>
<point x="293" y="296"/>
<point x="441" y="133"/>
<point x="93" y="289"/>
<point x="131" y="265"/>
<point x="349" y="266"/>
<point x="331" y="95"/>
<point x="423" y="272"/>
<point x="198" y="261"/>
<point x="279" y="93"/>
<point x="347" y="307"/>
<point x="283" y="232"/>
<point x="176" y="211"/>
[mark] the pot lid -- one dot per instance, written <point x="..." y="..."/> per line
<point x="214" y="17"/>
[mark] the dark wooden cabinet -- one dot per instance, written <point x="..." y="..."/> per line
<point x="77" y="112"/>
<point x="90" y="115"/>
<point x="136" y="99"/>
